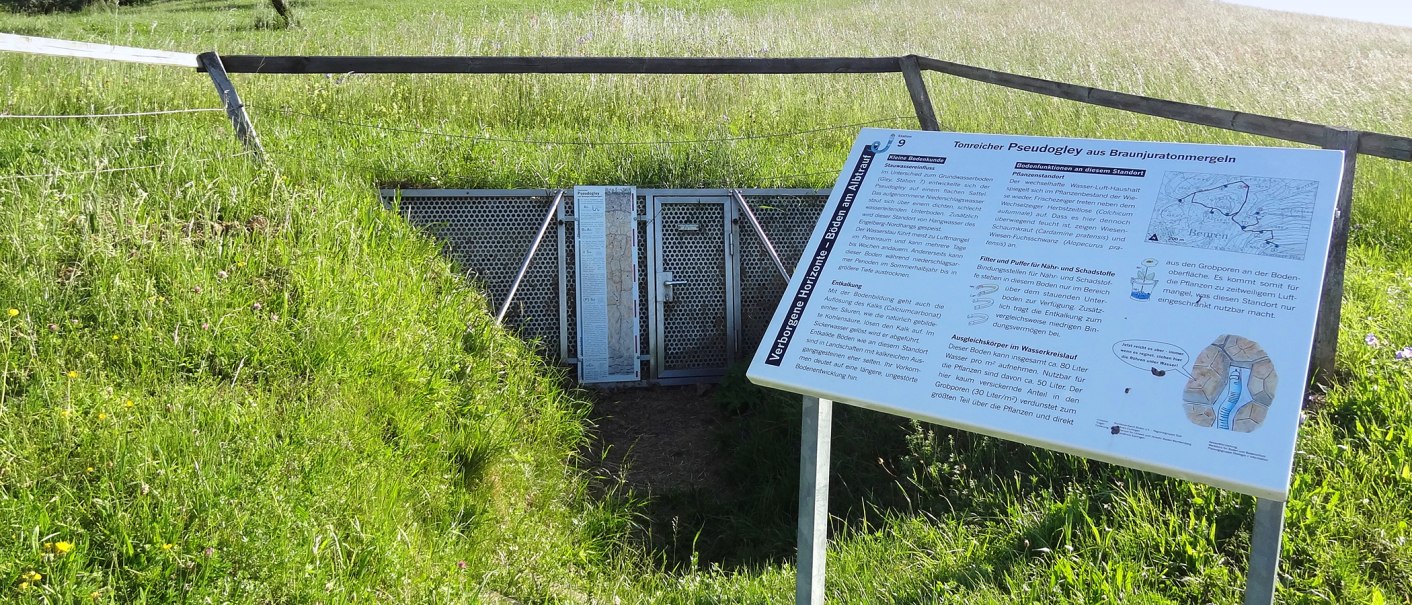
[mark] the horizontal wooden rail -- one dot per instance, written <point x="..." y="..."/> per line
<point x="557" y="65"/>
<point x="87" y="50"/>
<point x="1372" y="143"/>
<point x="1385" y="146"/>
<point x="1382" y="145"/>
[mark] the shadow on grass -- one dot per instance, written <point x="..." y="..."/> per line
<point x="885" y="468"/>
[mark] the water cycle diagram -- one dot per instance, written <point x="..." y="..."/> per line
<point x="1245" y="214"/>
<point x="1230" y="386"/>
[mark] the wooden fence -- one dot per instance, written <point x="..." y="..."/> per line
<point x="1370" y="143"/>
<point x="911" y="67"/>
<point x="1353" y="143"/>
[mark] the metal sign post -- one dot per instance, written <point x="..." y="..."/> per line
<point x="813" y="534"/>
<point x="1261" y="578"/>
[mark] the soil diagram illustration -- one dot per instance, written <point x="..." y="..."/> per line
<point x="1232" y="385"/>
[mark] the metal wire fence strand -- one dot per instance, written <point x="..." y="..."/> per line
<point x="486" y="139"/>
<point x="89" y="116"/>
<point x="290" y="153"/>
<point x="46" y="175"/>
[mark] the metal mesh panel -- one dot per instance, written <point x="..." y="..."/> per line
<point x="571" y="294"/>
<point x="788" y="221"/>
<point x="644" y="297"/>
<point x="694" y="323"/>
<point x="488" y="238"/>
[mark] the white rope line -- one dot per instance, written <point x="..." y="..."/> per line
<point x="107" y="170"/>
<point x="108" y="115"/>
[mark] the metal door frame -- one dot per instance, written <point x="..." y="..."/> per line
<point x="656" y="306"/>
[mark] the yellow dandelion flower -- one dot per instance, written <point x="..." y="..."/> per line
<point x="13" y="312"/>
<point x="31" y="576"/>
<point x="128" y="404"/>
<point x="168" y="546"/>
<point x="24" y="586"/>
<point x="63" y="547"/>
<point x="102" y="416"/>
<point x="88" y="470"/>
<point x="66" y="412"/>
<point x="72" y="374"/>
<point x="95" y="595"/>
<point x="115" y="338"/>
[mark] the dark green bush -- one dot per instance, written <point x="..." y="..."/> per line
<point x="44" y="6"/>
<point x="61" y="6"/>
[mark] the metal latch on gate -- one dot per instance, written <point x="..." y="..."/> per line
<point x="667" y="285"/>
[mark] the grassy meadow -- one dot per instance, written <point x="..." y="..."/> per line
<point x="223" y="382"/>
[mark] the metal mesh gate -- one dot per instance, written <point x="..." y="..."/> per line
<point x="488" y="232"/>
<point x="693" y="304"/>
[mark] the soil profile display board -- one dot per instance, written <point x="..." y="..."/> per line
<point x="606" y="283"/>
<point x="1147" y="304"/>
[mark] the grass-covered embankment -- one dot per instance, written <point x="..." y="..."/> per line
<point x="221" y="384"/>
<point x="322" y="404"/>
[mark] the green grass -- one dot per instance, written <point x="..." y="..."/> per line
<point x="367" y="429"/>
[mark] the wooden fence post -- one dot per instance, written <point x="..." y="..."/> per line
<point x="917" y="88"/>
<point x="1321" y="367"/>
<point x="244" y="130"/>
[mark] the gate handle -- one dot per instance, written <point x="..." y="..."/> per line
<point x="667" y="285"/>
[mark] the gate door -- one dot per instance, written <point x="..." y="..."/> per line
<point x="692" y="276"/>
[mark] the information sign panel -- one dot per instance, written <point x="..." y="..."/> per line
<point x="606" y="283"/>
<point x="1147" y="304"/>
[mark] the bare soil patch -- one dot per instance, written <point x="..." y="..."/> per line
<point x="660" y="439"/>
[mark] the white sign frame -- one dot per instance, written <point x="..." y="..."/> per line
<point x="985" y="258"/>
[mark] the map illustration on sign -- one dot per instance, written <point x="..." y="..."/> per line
<point x="1232" y="385"/>
<point x="1252" y="215"/>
